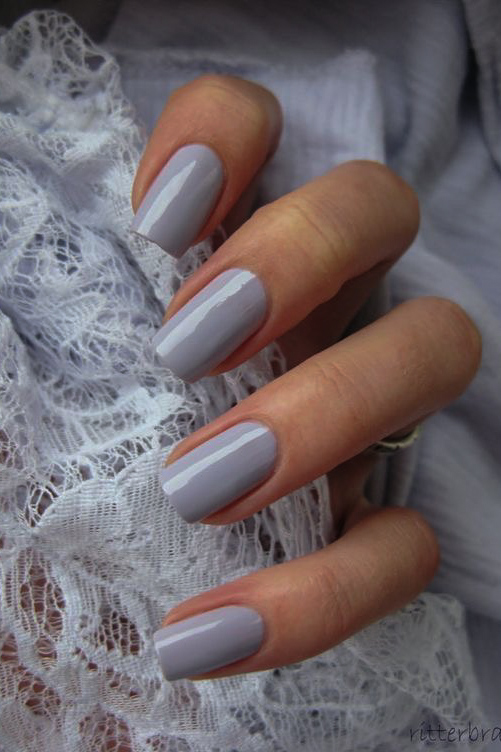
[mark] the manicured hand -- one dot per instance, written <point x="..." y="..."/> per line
<point x="297" y="271"/>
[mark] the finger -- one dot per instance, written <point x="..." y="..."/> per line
<point x="209" y="143"/>
<point x="295" y="610"/>
<point x="390" y="374"/>
<point x="347" y="484"/>
<point x="328" y="322"/>
<point x="290" y="257"/>
<point x="243" y="208"/>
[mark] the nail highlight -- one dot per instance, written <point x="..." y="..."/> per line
<point x="212" y="324"/>
<point x="208" y="641"/>
<point x="220" y="470"/>
<point x="180" y="199"/>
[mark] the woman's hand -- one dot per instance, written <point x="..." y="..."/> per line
<point x="297" y="270"/>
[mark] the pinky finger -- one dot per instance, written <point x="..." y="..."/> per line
<point x="301" y="608"/>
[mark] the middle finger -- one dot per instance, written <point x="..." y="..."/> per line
<point x="290" y="257"/>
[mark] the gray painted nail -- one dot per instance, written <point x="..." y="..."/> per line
<point x="207" y="641"/>
<point x="180" y="199"/>
<point x="220" y="470"/>
<point x="212" y="324"/>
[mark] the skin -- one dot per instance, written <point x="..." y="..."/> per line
<point x="340" y="233"/>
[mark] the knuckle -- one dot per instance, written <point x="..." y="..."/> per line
<point x="369" y="172"/>
<point x="342" y="382"/>
<point x="375" y="179"/>
<point x="215" y="83"/>
<point x="232" y="84"/>
<point x="463" y="329"/>
<point x="307" y="214"/>
<point x="210" y="81"/>
<point x="457" y="328"/>
<point x="420" y="539"/>
<point x="235" y="96"/>
<point x="327" y="229"/>
<point x="343" y="233"/>
<point x="330" y="377"/>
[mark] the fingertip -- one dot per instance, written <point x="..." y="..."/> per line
<point x="238" y="121"/>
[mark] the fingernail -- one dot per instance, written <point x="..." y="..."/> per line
<point x="220" y="470"/>
<point x="212" y="324"/>
<point x="180" y="199"/>
<point x="208" y="641"/>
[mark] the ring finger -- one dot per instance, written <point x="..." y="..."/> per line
<point x="391" y="374"/>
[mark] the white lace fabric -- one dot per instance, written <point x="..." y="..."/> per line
<point x="91" y="555"/>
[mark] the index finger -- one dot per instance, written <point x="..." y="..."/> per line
<point x="211" y="140"/>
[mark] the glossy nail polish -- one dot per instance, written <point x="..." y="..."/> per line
<point x="180" y="199"/>
<point x="208" y="641"/>
<point x="220" y="470"/>
<point x="212" y="324"/>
